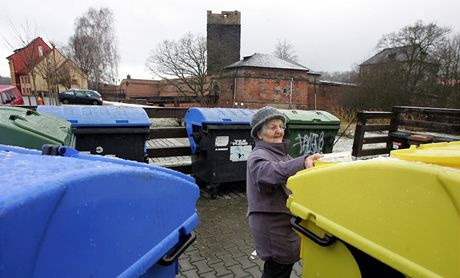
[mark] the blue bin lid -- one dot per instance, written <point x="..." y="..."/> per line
<point x="197" y="116"/>
<point x="222" y="116"/>
<point x="85" y="215"/>
<point x="98" y="116"/>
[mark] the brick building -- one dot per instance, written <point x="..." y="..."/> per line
<point x="253" y="82"/>
<point x="133" y="88"/>
<point x="327" y="95"/>
<point x="148" y="88"/>
<point x="262" y="79"/>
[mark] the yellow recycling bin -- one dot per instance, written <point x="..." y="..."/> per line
<point x="383" y="217"/>
<point x="445" y="154"/>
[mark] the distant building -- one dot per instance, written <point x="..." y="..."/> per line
<point x="397" y="57"/>
<point x="404" y="75"/>
<point x="138" y="88"/>
<point x="223" y="39"/>
<point x="262" y="79"/>
<point x="145" y="88"/>
<point x="252" y="82"/>
<point x="38" y="60"/>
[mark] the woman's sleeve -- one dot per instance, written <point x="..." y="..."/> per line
<point x="269" y="173"/>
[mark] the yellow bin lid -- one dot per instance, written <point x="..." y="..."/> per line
<point x="405" y="214"/>
<point x="445" y="154"/>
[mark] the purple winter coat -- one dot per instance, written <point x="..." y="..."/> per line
<point x="268" y="168"/>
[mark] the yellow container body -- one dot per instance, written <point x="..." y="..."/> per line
<point x="404" y="214"/>
<point x="445" y="154"/>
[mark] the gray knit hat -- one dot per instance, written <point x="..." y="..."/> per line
<point x="262" y="116"/>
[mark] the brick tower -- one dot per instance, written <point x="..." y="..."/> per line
<point x="223" y="39"/>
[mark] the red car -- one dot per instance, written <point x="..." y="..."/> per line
<point x="10" y="95"/>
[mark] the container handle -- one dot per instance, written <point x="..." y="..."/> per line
<point x="170" y="258"/>
<point x="15" y="117"/>
<point x="324" y="241"/>
<point x="32" y="112"/>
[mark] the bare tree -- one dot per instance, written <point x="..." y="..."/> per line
<point x="47" y="69"/>
<point x="448" y="57"/>
<point x="340" y="76"/>
<point x="55" y="71"/>
<point x="418" y="43"/>
<point x="285" y="50"/>
<point x="405" y="72"/>
<point x="93" y="46"/>
<point x="21" y="38"/>
<point x="63" y="76"/>
<point x="182" y="64"/>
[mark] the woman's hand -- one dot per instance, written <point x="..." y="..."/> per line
<point x="310" y="159"/>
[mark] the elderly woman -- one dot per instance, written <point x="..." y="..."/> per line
<point x="268" y="168"/>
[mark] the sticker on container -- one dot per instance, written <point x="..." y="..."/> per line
<point x="240" y="153"/>
<point x="221" y="149"/>
<point x="239" y="142"/>
<point x="221" y="141"/>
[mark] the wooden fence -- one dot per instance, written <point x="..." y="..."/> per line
<point x="402" y="126"/>
<point x="165" y="133"/>
<point x="409" y="123"/>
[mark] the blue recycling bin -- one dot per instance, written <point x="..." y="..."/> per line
<point x="119" y="131"/>
<point x="68" y="214"/>
<point x="220" y="141"/>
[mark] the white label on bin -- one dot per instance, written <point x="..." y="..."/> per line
<point x="221" y="149"/>
<point x="221" y="141"/>
<point x="240" y="153"/>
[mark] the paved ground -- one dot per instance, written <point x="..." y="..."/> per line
<point x="223" y="247"/>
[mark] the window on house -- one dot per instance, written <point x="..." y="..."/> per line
<point x="40" y="51"/>
<point x="75" y="82"/>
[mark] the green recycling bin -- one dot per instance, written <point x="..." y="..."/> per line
<point x="310" y="131"/>
<point x="30" y="129"/>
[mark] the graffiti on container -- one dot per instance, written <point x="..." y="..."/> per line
<point x="309" y="143"/>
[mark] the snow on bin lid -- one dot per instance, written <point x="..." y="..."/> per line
<point x="309" y="117"/>
<point x="89" y="215"/>
<point x="444" y="154"/>
<point x="223" y="116"/>
<point x="90" y="116"/>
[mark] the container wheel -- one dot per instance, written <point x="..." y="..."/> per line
<point x="213" y="190"/>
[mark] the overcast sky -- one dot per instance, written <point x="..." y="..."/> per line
<point x="328" y="35"/>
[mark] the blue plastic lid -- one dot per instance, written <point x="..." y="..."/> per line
<point x="197" y="116"/>
<point x="223" y="116"/>
<point x="91" y="116"/>
<point x="88" y="216"/>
